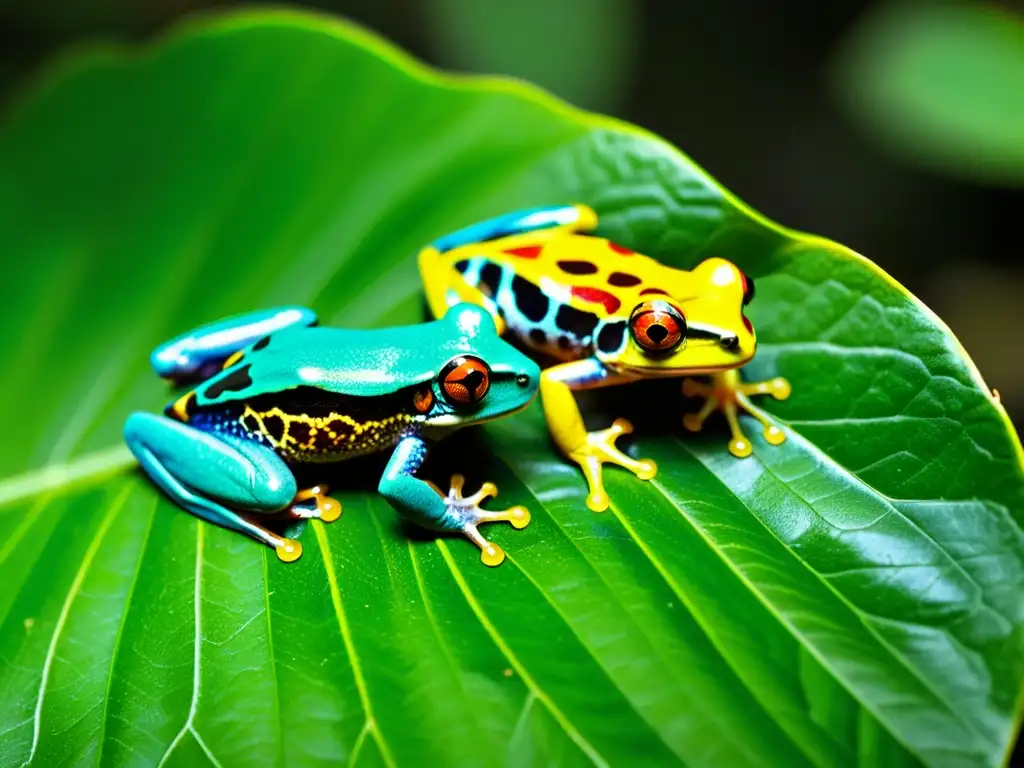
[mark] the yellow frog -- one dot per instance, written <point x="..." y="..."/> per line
<point x="611" y="316"/>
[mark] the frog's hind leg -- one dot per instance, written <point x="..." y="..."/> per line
<point x="445" y="285"/>
<point x="578" y="218"/>
<point x="200" y="353"/>
<point x="729" y="394"/>
<point x="202" y="472"/>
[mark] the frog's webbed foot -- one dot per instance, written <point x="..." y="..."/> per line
<point x="600" y="449"/>
<point x="314" y="503"/>
<point x="729" y="394"/>
<point x="464" y="514"/>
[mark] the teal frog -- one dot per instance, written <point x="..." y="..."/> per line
<point x="273" y="389"/>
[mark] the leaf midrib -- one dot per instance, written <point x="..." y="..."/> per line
<point x="346" y="637"/>
<point x="513" y="660"/>
<point x="73" y="592"/>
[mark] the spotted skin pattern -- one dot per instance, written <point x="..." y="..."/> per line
<point x="553" y="304"/>
<point x="301" y="430"/>
<point x="561" y="290"/>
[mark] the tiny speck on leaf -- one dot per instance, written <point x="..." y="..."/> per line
<point x="29" y="622"/>
<point x="507" y="672"/>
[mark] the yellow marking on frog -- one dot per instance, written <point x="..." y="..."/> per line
<point x="328" y="435"/>
<point x="557" y="261"/>
<point x="545" y="248"/>
<point x="232" y="360"/>
<point x="180" y="407"/>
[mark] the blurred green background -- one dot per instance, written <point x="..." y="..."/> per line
<point x="896" y="128"/>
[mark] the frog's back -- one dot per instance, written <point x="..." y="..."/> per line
<point x="320" y="394"/>
<point x="556" y="287"/>
<point x="357" y="363"/>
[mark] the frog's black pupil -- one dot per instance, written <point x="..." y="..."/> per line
<point x="657" y="333"/>
<point x="472" y="382"/>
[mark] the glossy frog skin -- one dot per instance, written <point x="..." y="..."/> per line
<point x="271" y="389"/>
<point x="610" y="316"/>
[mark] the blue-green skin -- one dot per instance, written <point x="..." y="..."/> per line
<point x="213" y="465"/>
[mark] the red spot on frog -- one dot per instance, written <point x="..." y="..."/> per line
<point x="526" y="251"/>
<point x="621" y="249"/>
<point x="596" y="295"/>
<point x="653" y="291"/>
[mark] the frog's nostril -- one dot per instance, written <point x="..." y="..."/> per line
<point x="523" y="380"/>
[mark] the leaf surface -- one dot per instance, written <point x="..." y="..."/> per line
<point x="851" y="597"/>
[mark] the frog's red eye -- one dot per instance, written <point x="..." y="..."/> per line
<point x="748" y="288"/>
<point x="465" y="380"/>
<point x="657" y="326"/>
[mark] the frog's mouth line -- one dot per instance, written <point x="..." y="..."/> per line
<point x="673" y="373"/>
<point x="448" y="420"/>
<point x="725" y="339"/>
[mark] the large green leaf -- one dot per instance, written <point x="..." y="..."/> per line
<point x="851" y="597"/>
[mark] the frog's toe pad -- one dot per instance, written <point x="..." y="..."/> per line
<point x="330" y="509"/>
<point x="740" y="447"/>
<point x="780" y="388"/>
<point x="314" y="503"/>
<point x="620" y="427"/>
<point x="519" y="517"/>
<point x="492" y="555"/>
<point x="289" y="550"/>
<point x="773" y="435"/>
<point x="646" y="469"/>
<point x="597" y="501"/>
<point x="692" y="422"/>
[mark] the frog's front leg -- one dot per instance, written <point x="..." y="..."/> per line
<point x="588" y="449"/>
<point x="424" y="504"/>
<point x="200" y="470"/>
<point x="728" y="393"/>
<point x="444" y="288"/>
<point x="200" y="353"/>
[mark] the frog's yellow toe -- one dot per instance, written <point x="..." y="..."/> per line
<point x="519" y="517"/>
<point x="774" y="436"/>
<point x="621" y="427"/>
<point x="692" y="422"/>
<point x="597" y="501"/>
<point x="289" y="550"/>
<point x="646" y="469"/>
<point x="740" y="447"/>
<point x="780" y="388"/>
<point x="492" y="554"/>
<point x="330" y="509"/>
